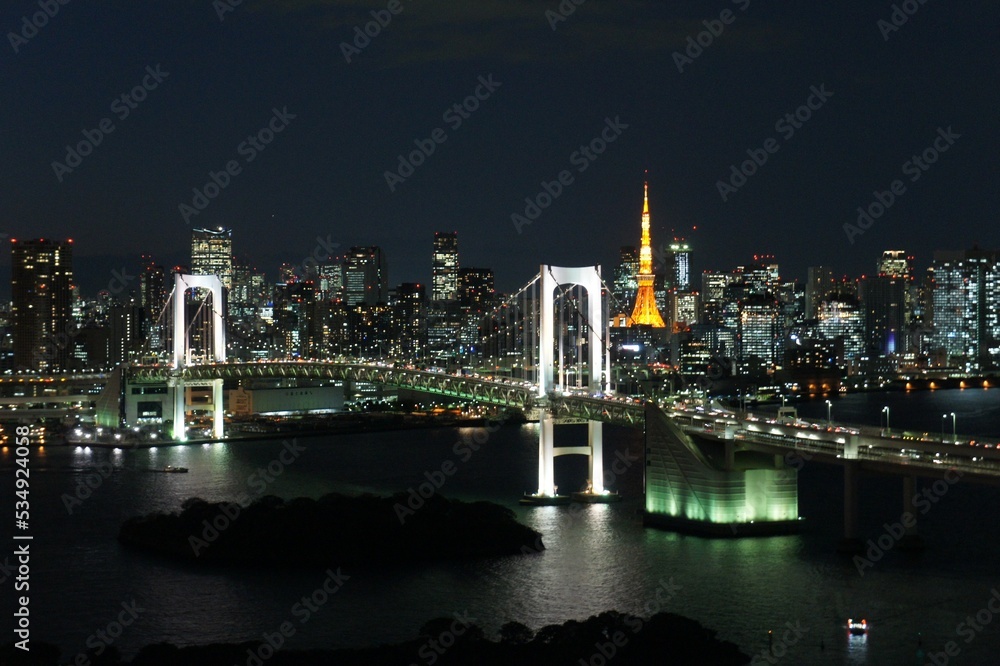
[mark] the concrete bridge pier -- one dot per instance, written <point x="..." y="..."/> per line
<point x="595" y="435"/>
<point x="911" y="538"/>
<point x="851" y="543"/>
<point x="546" y="468"/>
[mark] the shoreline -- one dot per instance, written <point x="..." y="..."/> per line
<point x="404" y="422"/>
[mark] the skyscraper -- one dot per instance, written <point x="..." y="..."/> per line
<point x="819" y="283"/>
<point x="966" y="308"/>
<point x="366" y="276"/>
<point x="680" y="253"/>
<point x="444" y="267"/>
<point x="476" y="290"/>
<point x="626" y="279"/>
<point x="645" y="311"/>
<point x="42" y="283"/>
<point x="212" y="253"/>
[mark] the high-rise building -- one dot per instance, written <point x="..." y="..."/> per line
<point x="896" y="263"/>
<point x="366" y="276"/>
<point x="840" y="319"/>
<point x="819" y="284"/>
<point x="476" y="292"/>
<point x="212" y="253"/>
<point x="42" y="284"/>
<point x="966" y="308"/>
<point x="759" y="331"/>
<point x="884" y="300"/>
<point x="409" y="315"/>
<point x="645" y="312"/>
<point x="625" y="279"/>
<point x="153" y="292"/>
<point x="444" y="267"/>
<point x="680" y="264"/>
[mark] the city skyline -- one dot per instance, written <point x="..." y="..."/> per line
<point x="883" y="100"/>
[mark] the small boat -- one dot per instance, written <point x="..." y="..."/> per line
<point x="175" y="470"/>
<point x="857" y="627"/>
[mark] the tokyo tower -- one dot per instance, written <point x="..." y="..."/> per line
<point x="645" y="311"/>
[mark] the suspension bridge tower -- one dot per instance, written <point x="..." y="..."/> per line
<point x="182" y="353"/>
<point x="550" y="385"/>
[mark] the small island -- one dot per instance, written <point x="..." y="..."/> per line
<point x="330" y="531"/>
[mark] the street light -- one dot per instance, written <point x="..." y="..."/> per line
<point x="954" y="436"/>
<point x="829" y="419"/>
<point x="885" y="410"/>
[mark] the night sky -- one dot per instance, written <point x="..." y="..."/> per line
<point x="323" y="175"/>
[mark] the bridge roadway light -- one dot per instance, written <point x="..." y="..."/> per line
<point x="885" y="410"/>
<point x="829" y="419"/>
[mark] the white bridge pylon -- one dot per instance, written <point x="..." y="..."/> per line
<point x="589" y="278"/>
<point x="182" y="350"/>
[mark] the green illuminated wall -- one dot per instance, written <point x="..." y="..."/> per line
<point x="683" y="484"/>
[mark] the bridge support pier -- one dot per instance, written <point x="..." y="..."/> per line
<point x="180" y="405"/>
<point x="595" y="433"/>
<point x="911" y="538"/>
<point x="546" y="468"/>
<point x="217" y="408"/>
<point x="851" y="543"/>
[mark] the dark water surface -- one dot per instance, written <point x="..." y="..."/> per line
<point x="597" y="557"/>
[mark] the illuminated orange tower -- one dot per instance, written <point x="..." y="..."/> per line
<point x="645" y="311"/>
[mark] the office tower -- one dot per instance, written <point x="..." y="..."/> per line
<point x="896" y="263"/>
<point x="476" y="292"/>
<point x="625" y="279"/>
<point x="819" y="283"/>
<point x="759" y="331"/>
<point x="331" y="281"/>
<point x="444" y="267"/>
<point x="645" y="312"/>
<point x="966" y="308"/>
<point x="409" y="315"/>
<point x="761" y="276"/>
<point x="883" y="297"/>
<point x="126" y="333"/>
<point x="366" y="276"/>
<point x="212" y="253"/>
<point x="42" y="283"/>
<point x="154" y="290"/>
<point x="713" y="289"/>
<point x="841" y="319"/>
<point x="680" y="264"/>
